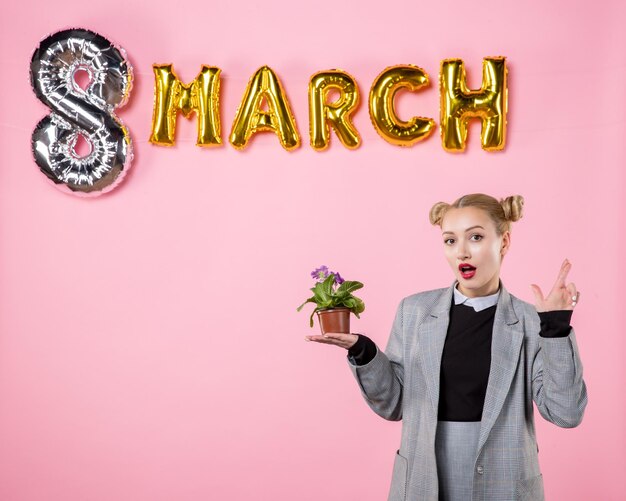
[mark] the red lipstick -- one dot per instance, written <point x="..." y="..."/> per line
<point x="467" y="270"/>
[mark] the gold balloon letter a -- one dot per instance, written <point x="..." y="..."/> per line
<point x="337" y="113"/>
<point x="459" y="104"/>
<point x="251" y="118"/>
<point x="201" y="96"/>
<point x="382" y="111"/>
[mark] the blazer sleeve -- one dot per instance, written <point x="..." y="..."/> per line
<point x="381" y="379"/>
<point x="557" y="378"/>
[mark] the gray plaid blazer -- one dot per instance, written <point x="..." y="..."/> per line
<point x="402" y="383"/>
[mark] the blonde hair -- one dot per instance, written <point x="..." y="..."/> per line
<point x="502" y="212"/>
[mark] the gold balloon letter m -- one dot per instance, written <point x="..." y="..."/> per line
<point x="459" y="104"/>
<point x="201" y="96"/>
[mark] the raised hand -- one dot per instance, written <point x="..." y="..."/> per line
<point x="561" y="297"/>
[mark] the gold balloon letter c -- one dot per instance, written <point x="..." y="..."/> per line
<point x="382" y="111"/>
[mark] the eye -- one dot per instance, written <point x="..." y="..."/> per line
<point x="447" y="240"/>
<point x="480" y="237"/>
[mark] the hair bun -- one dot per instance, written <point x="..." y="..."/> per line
<point x="513" y="207"/>
<point x="437" y="211"/>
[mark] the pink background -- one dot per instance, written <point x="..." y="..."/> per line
<point x="150" y="347"/>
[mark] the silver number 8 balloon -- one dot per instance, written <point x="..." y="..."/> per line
<point x="82" y="112"/>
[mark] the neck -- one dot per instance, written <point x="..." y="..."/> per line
<point x="486" y="290"/>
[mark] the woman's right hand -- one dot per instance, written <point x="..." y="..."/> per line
<point x="338" y="339"/>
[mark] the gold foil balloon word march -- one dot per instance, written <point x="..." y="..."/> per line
<point x="458" y="105"/>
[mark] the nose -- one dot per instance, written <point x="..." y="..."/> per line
<point x="462" y="253"/>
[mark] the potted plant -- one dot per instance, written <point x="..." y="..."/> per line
<point x="334" y="301"/>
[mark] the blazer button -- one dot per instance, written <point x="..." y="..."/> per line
<point x="479" y="469"/>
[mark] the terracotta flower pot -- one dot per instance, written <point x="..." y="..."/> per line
<point x="334" y="320"/>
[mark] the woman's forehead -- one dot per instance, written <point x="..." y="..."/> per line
<point x="462" y="219"/>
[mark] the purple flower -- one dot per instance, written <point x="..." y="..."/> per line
<point x="338" y="279"/>
<point x="320" y="273"/>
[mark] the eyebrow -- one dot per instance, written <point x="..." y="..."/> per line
<point x="452" y="233"/>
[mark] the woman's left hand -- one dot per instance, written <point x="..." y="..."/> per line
<point x="561" y="297"/>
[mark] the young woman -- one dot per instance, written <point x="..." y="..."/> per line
<point x="464" y="363"/>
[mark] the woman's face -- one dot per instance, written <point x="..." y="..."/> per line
<point x="469" y="236"/>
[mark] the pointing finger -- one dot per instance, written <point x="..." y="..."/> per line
<point x="560" y="279"/>
<point x="565" y="267"/>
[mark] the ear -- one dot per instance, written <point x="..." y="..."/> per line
<point x="506" y="243"/>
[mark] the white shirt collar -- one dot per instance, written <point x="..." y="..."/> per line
<point x="478" y="303"/>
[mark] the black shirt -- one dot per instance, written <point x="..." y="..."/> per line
<point x="465" y="363"/>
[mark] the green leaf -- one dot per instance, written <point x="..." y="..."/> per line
<point x="326" y="304"/>
<point x="327" y="285"/>
<point x="320" y="292"/>
<point x="311" y="319"/>
<point x="349" y="286"/>
<point x="359" y="306"/>
<point x="310" y="300"/>
<point x="350" y="303"/>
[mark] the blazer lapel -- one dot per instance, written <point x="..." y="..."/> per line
<point x="432" y="336"/>
<point x="506" y="343"/>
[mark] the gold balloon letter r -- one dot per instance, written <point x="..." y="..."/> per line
<point x="336" y="114"/>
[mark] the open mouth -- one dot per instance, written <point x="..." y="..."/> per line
<point x="467" y="270"/>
